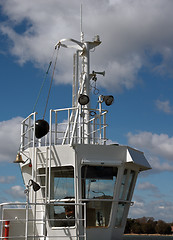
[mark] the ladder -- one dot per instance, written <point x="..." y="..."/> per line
<point x="41" y="176"/>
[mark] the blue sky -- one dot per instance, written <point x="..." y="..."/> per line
<point x="137" y="56"/>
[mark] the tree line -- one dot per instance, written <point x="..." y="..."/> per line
<point x="147" y="225"/>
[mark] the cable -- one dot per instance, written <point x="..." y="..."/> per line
<point x="50" y="84"/>
<point x="44" y="80"/>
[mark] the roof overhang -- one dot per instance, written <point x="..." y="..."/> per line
<point x="137" y="157"/>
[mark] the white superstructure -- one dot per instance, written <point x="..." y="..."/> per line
<point x="86" y="186"/>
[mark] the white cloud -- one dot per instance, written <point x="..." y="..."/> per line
<point x="7" y="179"/>
<point x="122" y="74"/>
<point x="164" y="106"/>
<point x="130" y="30"/>
<point x="160" y="145"/>
<point x="147" y="186"/>
<point x="159" y="209"/>
<point x="158" y="165"/>
<point x="9" y="138"/>
<point x="158" y="149"/>
<point x="16" y="191"/>
<point x="151" y="189"/>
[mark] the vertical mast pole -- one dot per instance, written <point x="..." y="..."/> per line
<point x="85" y="73"/>
<point x="81" y="30"/>
<point x="87" y="92"/>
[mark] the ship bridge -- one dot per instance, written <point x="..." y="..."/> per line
<point x="77" y="186"/>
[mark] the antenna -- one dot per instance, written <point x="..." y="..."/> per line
<point x="81" y="30"/>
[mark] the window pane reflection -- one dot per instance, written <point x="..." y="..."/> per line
<point x="125" y="193"/>
<point x="64" y="189"/>
<point x="98" y="184"/>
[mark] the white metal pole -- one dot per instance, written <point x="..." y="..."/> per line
<point x="34" y="169"/>
<point x="50" y="143"/>
<point x="87" y="92"/>
<point x="27" y="212"/>
<point x="22" y="136"/>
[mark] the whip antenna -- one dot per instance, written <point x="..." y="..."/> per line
<point x="81" y="29"/>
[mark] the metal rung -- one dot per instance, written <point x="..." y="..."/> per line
<point x="40" y="198"/>
<point x="41" y="175"/>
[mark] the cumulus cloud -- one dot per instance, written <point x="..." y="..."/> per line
<point x="16" y="191"/>
<point x="147" y="186"/>
<point x="9" y="138"/>
<point x="159" y="165"/>
<point x="132" y="31"/>
<point x="7" y="179"/>
<point x="159" y="209"/>
<point x="159" y="145"/>
<point x="151" y="189"/>
<point x="164" y="106"/>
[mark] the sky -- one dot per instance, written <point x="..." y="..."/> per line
<point x="137" y="56"/>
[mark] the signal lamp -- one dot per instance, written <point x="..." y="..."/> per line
<point x="108" y="100"/>
<point x="83" y="99"/>
<point x="35" y="185"/>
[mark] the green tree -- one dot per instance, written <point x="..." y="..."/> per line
<point x="149" y="227"/>
<point x="137" y="228"/>
<point x="129" y="224"/>
<point x="163" y="228"/>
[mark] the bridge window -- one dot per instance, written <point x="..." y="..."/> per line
<point x="63" y="188"/>
<point x="125" y="194"/>
<point x="98" y="184"/>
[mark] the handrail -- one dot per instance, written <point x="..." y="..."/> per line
<point x="40" y="220"/>
<point x="66" y="127"/>
<point x="106" y="200"/>
<point x="30" y="115"/>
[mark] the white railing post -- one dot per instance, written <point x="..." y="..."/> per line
<point x="74" y="126"/>
<point x="79" y="125"/>
<point x="85" y="226"/>
<point x="56" y="127"/>
<point x="27" y="212"/>
<point x="50" y="144"/>
<point x="29" y="133"/>
<point x="104" y="128"/>
<point x="1" y="212"/>
<point x="22" y="136"/>
<point x="33" y="153"/>
<point x="69" y="125"/>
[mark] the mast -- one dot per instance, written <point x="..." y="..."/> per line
<point x="81" y="83"/>
<point x="86" y="109"/>
<point x="81" y="26"/>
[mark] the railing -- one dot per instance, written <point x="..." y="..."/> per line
<point x="25" y="224"/>
<point x="28" y="131"/>
<point x="67" y="126"/>
<point x="72" y="129"/>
